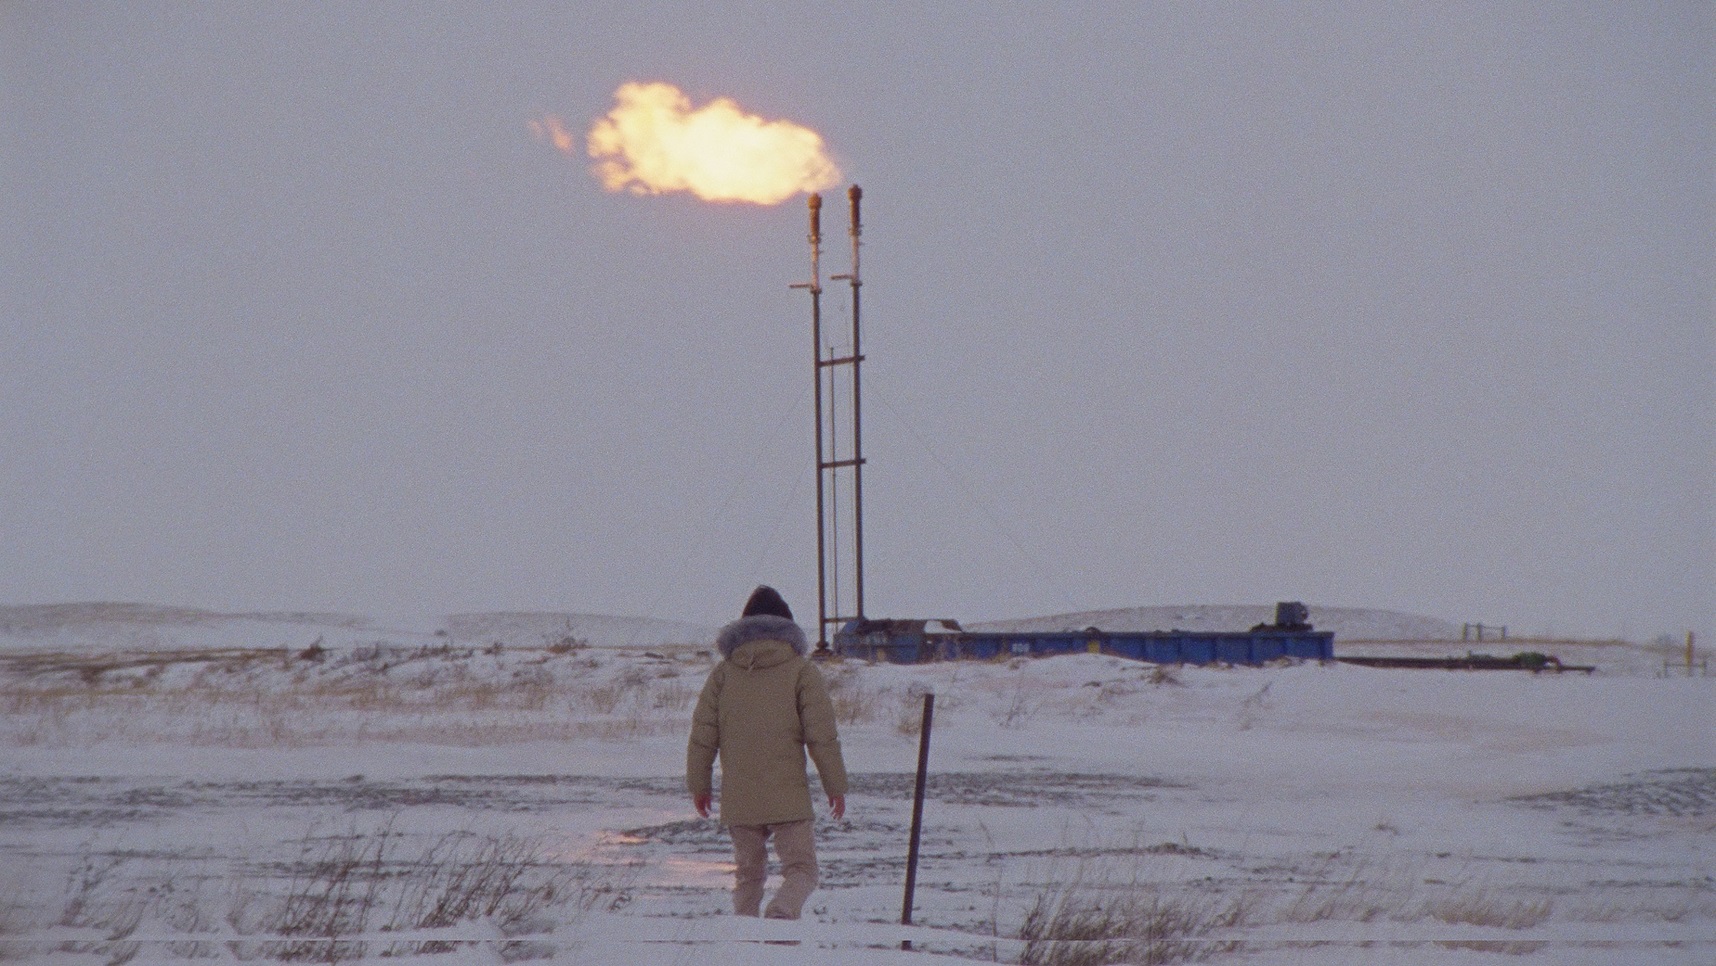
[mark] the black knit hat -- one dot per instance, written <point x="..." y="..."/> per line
<point x="765" y="600"/>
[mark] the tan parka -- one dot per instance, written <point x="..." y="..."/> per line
<point x="761" y="708"/>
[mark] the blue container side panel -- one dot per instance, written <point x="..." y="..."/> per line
<point x="1160" y="647"/>
<point x="1198" y="650"/>
<point x="1128" y="646"/>
<point x="1233" y="650"/>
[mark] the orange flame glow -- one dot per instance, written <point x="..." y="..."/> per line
<point x="554" y="131"/>
<point x="654" y="143"/>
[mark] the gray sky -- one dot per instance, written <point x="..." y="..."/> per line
<point x="1364" y="304"/>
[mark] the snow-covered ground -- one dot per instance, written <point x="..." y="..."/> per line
<point x="179" y="785"/>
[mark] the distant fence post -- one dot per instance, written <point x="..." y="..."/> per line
<point x="1468" y="631"/>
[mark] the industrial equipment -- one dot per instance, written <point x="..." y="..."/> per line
<point x="914" y="641"/>
<point x="840" y="562"/>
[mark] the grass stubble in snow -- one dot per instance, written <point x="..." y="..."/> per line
<point x="444" y="802"/>
<point x="345" y="897"/>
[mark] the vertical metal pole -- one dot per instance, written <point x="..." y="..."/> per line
<point x="816" y="370"/>
<point x="855" y="194"/>
<point x="917" y="815"/>
<point x="815" y="287"/>
<point x="831" y="471"/>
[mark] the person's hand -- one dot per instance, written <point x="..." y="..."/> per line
<point x="837" y="805"/>
<point x="702" y="803"/>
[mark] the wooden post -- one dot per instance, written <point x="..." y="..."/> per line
<point x="917" y="815"/>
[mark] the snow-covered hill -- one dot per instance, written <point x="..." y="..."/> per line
<point x="598" y="630"/>
<point x="148" y="627"/>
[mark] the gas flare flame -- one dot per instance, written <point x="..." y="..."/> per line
<point x="553" y="130"/>
<point x="653" y="142"/>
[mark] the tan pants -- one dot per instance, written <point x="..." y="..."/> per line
<point x="795" y="845"/>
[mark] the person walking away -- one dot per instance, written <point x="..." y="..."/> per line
<point x="763" y="706"/>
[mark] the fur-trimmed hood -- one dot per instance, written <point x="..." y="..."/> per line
<point x="760" y="627"/>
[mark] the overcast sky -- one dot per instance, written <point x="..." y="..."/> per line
<point x="1373" y="305"/>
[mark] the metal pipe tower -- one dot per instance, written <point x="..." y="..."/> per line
<point x="839" y="566"/>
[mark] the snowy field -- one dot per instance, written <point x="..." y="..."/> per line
<point x="184" y="786"/>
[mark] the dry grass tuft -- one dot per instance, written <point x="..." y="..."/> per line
<point x="1089" y="922"/>
<point x="1022" y="705"/>
<point x="1095" y="916"/>
<point x="1166" y="674"/>
<point x="15" y="928"/>
<point x="909" y="714"/>
<point x="1363" y="893"/>
<point x="854" y="702"/>
<point x="342" y="896"/>
<point x="1479" y="906"/>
